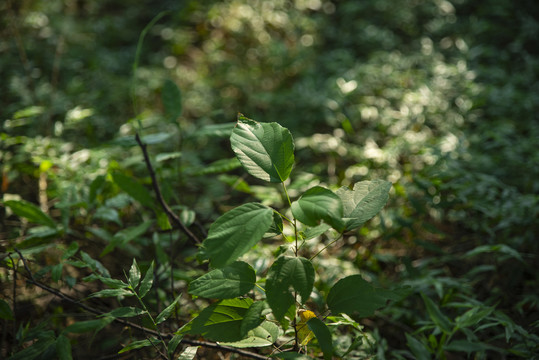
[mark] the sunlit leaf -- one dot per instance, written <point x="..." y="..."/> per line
<point x="264" y="335"/>
<point x="147" y="282"/>
<point x="318" y="204"/>
<point x="231" y="281"/>
<point x="266" y="150"/>
<point x="235" y="232"/>
<point x="166" y="313"/>
<point x="134" y="274"/>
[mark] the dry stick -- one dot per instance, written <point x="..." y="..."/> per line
<point x="160" y="198"/>
<point x="30" y="279"/>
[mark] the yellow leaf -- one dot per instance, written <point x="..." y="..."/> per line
<point x="304" y="333"/>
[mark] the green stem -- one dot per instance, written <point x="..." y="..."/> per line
<point x="151" y="318"/>
<point x="325" y="247"/>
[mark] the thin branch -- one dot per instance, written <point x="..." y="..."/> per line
<point x="159" y="195"/>
<point x="30" y="279"/>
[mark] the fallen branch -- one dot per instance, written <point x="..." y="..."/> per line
<point x="159" y="195"/>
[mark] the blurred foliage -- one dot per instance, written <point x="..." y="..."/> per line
<point x="439" y="97"/>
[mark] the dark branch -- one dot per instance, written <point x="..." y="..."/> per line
<point x="160" y="198"/>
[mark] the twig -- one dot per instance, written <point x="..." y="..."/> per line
<point x="168" y="336"/>
<point x="160" y="198"/>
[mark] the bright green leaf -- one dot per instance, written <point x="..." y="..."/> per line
<point x="253" y="318"/>
<point x="221" y="321"/>
<point x="264" y="335"/>
<point x="189" y="353"/>
<point x="323" y="336"/>
<point x="128" y="311"/>
<point x="147" y="282"/>
<point x="266" y="150"/>
<point x="287" y="272"/>
<point x="30" y="211"/>
<point x="355" y="295"/>
<point x="111" y="293"/>
<point x="134" y="274"/>
<point x="235" y="232"/>
<point x="231" y="281"/>
<point x="318" y="204"/>
<point x="363" y="202"/>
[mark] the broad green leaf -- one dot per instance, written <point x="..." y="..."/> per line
<point x="285" y="273"/>
<point x="166" y="313"/>
<point x="133" y="188"/>
<point x="134" y="274"/>
<point x="276" y="227"/>
<point x="363" y="202"/>
<point x="236" y="232"/>
<point x="437" y="316"/>
<point x="88" y="325"/>
<point x="266" y="150"/>
<point x="355" y="295"/>
<point x="111" y="293"/>
<point x="323" y="336"/>
<point x="172" y="100"/>
<point x="189" y="353"/>
<point x="313" y="232"/>
<point x="63" y="348"/>
<point x="264" y="335"/>
<point x="318" y="204"/>
<point x="30" y="211"/>
<point x="128" y="311"/>
<point x="147" y="282"/>
<point x="253" y="318"/>
<point x="139" y="344"/>
<point x="229" y="282"/>
<point x="5" y="310"/>
<point x="221" y="321"/>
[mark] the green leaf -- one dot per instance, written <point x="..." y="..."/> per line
<point x="139" y="344"/>
<point x="363" y="202"/>
<point x="128" y="311"/>
<point x="469" y="346"/>
<point x="173" y="344"/>
<point x="166" y="313"/>
<point x="30" y="211"/>
<point x="111" y="293"/>
<point x="108" y="214"/>
<point x="5" y="310"/>
<point x="34" y="351"/>
<point x="56" y="272"/>
<point x="189" y="353"/>
<point x="253" y="318"/>
<point x="318" y="204"/>
<point x="473" y="316"/>
<point x="355" y="295"/>
<point x="419" y="349"/>
<point x="236" y="232"/>
<point x="134" y="275"/>
<point x="63" y="348"/>
<point x="229" y="282"/>
<point x="88" y="325"/>
<point x="313" y="232"/>
<point x="323" y="336"/>
<point x="266" y="150"/>
<point x="286" y="272"/>
<point x="124" y="236"/>
<point x="147" y="282"/>
<point x="71" y="250"/>
<point x="264" y="335"/>
<point x="172" y="100"/>
<point x="437" y="316"/>
<point x="113" y="283"/>
<point x="217" y="167"/>
<point x="133" y="188"/>
<point x="221" y="321"/>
